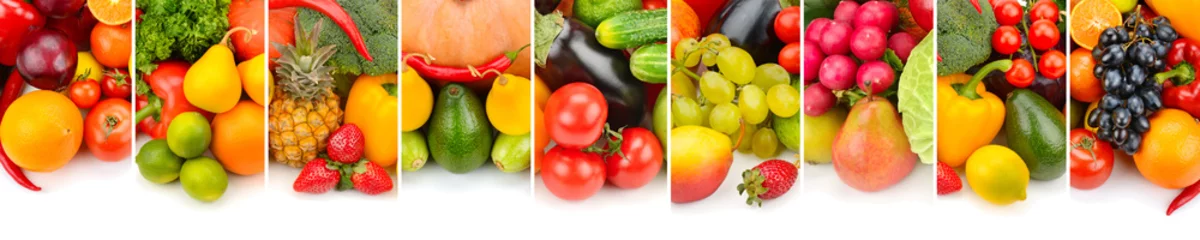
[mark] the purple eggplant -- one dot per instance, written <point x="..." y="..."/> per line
<point x="574" y="55"/>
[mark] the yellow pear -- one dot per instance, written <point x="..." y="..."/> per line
<point x="213" y="83"/>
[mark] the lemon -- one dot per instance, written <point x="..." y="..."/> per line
<point x="997" y="174"/>
<point x="88" y="67"/>
<point x="204" y="179"/>
<point x="417" y="100"/>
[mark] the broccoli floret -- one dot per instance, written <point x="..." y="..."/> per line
<point x="376" y="20"/>
<point x="964" y="35"/>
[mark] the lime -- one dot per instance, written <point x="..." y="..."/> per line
<point x="157" y="163"/>
<point x="204" y="179"/>
<point x="1124" y="6"/>
<point x="997" y="174"/>
<point x="189" y="134"/>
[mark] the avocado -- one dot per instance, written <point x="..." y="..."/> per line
<point x="460" y="136"/>
<point x="1037" y="132"/>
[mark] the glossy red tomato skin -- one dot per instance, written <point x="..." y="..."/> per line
<point x="107" y="132"/>
<point x="84" y="94"/>
<point x="575" y="115"/>
<point x="639" y="162"/>
<point x="787" y="24"/>
<point x="1053" y="64"/>
<point x="1008" y="13"/>
<point x="116" y="84"/>
<point x="789" y="58"/>
<point x="1021" y="73"/>
<point x="653" y="4"/>
<point x="1088" y="172"/>
<point x="1043" y="35"/>
<point x="571" y="174"/>
<point x="1044" y="9"/>
<point x="1006" y="40"/>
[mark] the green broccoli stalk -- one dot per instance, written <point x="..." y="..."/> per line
<point x="964" y="35"/>
<point x="376" y="20"/>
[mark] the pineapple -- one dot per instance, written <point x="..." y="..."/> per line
<point x="304" y="110"/>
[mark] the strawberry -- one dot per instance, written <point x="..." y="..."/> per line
<point x="318" y="176"/>
<point x="370" y="178"/>
<point x="947" y="180"/>
<point x="768" y="180"/>
<point x="346" y="144"/>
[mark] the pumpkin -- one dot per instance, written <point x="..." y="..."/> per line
<point x="247" y="14"/>
<point x="461" y="33"/>
<point x="283" y="23"/>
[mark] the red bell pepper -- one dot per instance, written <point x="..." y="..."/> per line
<point x="332" y="10"/>
<point x="1180" y="90"/>
<point x="18" y="19"/>
<point x="165" y="99"/>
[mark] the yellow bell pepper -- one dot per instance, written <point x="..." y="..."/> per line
<point x="969" y="116"/>
<point x="372" y="106"/>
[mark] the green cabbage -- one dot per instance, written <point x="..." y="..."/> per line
<point x="915" y="96"/>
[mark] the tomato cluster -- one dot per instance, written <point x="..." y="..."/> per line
<point x="581" y="162"/>
<point x="1040" y="27"/>
<point x="787" y="27"/>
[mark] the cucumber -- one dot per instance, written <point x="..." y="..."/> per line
<point x="649" y="63"/>
<point x="592" y="12"/>
<point x="633" y="29"/>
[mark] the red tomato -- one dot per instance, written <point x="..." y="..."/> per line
<point x="787" y="24"/>
<point x="1091" y="160"/>
<point x="1008" y="13"/>
<point x="1044" y="9"/>
<point x="1053" y="64"/>
<point x="789" y="58"/>
<point x="116" y="83"/>
<point x="1006" y="40"/>
<point x="571" y="174"/>
<point x="1043" y="35"/>
<point x="106" y="130"/>
<point x="112" y="45"/>
<point x="1021" y="73"/>
<point x="575" y="115"/>
<point x="639" y="160"/>
<point x="85" y="93"/>
<point x="654" y="4"/>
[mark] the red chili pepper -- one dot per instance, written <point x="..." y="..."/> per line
<point x="1184" y="197"/>
<point x="976" y="3"/>
<point x="334" y="11"/>
<point x="12" y="90"/>
<point x="1180" y="90"/>
<point x="424" y="66"/>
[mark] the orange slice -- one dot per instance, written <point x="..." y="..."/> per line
<point x="112" y="12"/>
<point x="1089" y="18"/>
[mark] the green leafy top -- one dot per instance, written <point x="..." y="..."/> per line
<point x="915" y="97"/>
<point x="545" y="30"/>
<point x="183" y="29"/>
<point x="376" y="20"/>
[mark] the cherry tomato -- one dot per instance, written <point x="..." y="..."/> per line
<point x="575" y="115"/>
<point x="1006" y="40"/>
<point x="116" y="83"/>
<point x="1091" y="160"/>
<point x="1044" y="9"/>
<point x="638" y="161"/>
<point x="787" y="24"/>
<point x="106" y="130"/>
<point x="85" y="93"/>
<point x="1043" y="35"/>
<point x="1053" y="64"/>
<point x="571" y="174"/>
<point x="112" y="45"/>
<point x="1021" y="73"/>
<point x="1008" y="13"/>
<point x="654" y="4"/>
<point x="789" y="58"/>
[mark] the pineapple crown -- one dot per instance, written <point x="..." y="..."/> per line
<point x="302" y="72"/>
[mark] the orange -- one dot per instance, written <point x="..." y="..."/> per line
<point x="1084" y="85"/>
<point x="1170" y="152"/>
<point x="238" y="138"/>
<point x="42" y="131"/>
<point x="541" y="93"/>
<point x="684" y="23"/>
<point x="1089" y="18"/>
<point x="112" y="12"/>
<point x="541" y="139"/>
